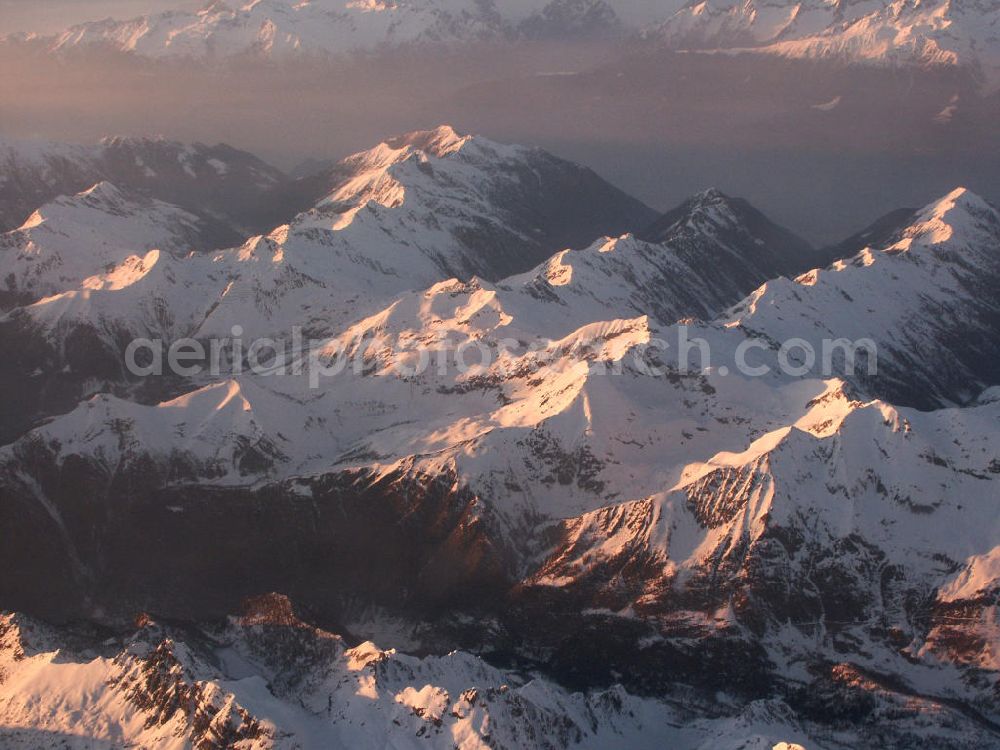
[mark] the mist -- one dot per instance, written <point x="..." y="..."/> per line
<point x="821" y="148"/>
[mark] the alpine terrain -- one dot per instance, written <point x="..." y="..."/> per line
<point x="490" y="454"/>
<point x="907" y="33"/>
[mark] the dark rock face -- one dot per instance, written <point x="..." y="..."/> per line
<point x="113" y="541"/>
<point x="51" y="379"/>
<point x="765" y="248"/>
<point x="564" y="205"/>
<point x="732" y="244"/>
<point x="954" y="354"/>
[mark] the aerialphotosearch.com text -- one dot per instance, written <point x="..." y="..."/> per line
<point x="321" y="360"/>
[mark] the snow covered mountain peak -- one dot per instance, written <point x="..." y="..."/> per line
<point x="927" y="294"/>
<point x="716" y="231"/>
<point x="961" y="219"/>
<point x="914" y="32"/>
<point x="712" y="207"/>
<point x="369" y="175"/>
<point x="709" y="211"/>
<point x="113" y="140"/>
<point x="500" y="445"/>
<point x="439" y="141"/>
<point x="883" y="32"/>
<point x="466" y="205"/>
<point x="275" y="28"/>
<point x="73" y="238"/>
<point x="958" y="213"/>
<point x="103" y="192"/>
<point x="231" y="191"/>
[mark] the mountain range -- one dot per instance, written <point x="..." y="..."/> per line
<point x="914" y="32"/>
<point x="585" y="540"/>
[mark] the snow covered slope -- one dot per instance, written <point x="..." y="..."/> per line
<point x="903" y="32"/>
<point x="518" y="467"/>
<point x="230" y="189"/>
<point x="472" y="207"/>
<point x="83" y="240"/>
<point x="927" y="296"/>
<point x="906" y="32"/>
<point x="267" y="680"/>
<point x="277" y="28"/>
<point x="406" y="214"/>
<point x="565" y="407"/>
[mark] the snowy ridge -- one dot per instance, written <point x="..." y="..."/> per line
<point x="473" y="206"/>
<point x="903" y="32"/>
<point x="276" y="28"/>
<point x="404" y="215"/>
<point x="230" y="190"/>
<point x="266" y="680"/>
<point x="927" y="301"/>
<point x="896" y="33"/>
<point x="962" y="34"/>
<point x="90" y="240"/>
<point x="483" y="424"/>
<point x="810" y="538"/>
<point x="550" y="338"/>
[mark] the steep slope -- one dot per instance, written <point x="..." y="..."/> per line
<point x="507" y="208"/>
<point x="864" y="542"/>
<point x="233" y="191"/>
<point x="692" y="262"/>
<point x="69" y="242"/>
<point x="523" y="400"/>
<point x="267" y="680"/>
<point x="883" y="231"/>
<point x="730" y="241"/>
<point x="523" y="468"/>
<point x="404" y="215"/>
<point x="927" y="298"/>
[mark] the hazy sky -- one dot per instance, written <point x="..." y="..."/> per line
<point x="53" y="15"/>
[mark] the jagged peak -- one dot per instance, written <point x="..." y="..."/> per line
<point x="103" y="191"/>
<point x="961" y="214"/>
<point x="212" y="398"/>
<point x="102" y="196"/>
<point x="269" y="609"/>
<point x="440" y="141"/>
<point x="709" y="207"/>
<point x="961" y="199"/>
<point x="710" y="195"/>
<point x="375" y="170"/>
<point x="713" y="205"/>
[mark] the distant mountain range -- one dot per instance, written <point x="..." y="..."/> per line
<point x="714" y="557"/>
<point x="907" y="32"/>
